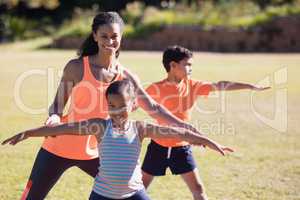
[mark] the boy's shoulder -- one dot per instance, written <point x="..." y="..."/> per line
<point x="156" y="85"/>
<point x="159" y="82"/>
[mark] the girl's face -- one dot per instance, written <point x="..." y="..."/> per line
<point x="108" y="38"/>
<point x="182" y="69"/>
<point x="119" y="107"/>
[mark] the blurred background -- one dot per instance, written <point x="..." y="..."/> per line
<point x="202" y="25"/>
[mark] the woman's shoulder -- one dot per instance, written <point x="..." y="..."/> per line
<point x="74" y="69"/>
<point x="74" y="64"/>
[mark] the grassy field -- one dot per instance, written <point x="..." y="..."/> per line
<point x="265" y="166"/>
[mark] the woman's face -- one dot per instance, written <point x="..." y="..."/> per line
<point x="108" y="38"/>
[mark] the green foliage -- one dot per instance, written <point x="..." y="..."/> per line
<point x="49" y="4"/>
<point x="16" y="28"/>
<point x="142" y="30"/>
<point x="74" y="28"/>
<point x="79" y="25"/>
<point x="142" y="20"/>
<point x="133" y="13"/>
<point x="265" y="16"/>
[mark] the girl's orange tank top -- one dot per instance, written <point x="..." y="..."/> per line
<point x="87" y="100"/>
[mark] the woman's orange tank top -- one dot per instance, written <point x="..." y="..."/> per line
<point x="87" y="100"/>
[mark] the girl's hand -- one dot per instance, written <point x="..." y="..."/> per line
<point x="53" y="120"/>
<point x="15" y="139"/>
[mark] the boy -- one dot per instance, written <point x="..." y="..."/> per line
<point x="178" y="93"/>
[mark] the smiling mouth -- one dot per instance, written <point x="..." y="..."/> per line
<point x="108" y="47"/>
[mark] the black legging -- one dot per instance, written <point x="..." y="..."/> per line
<point x="47" y="169"/>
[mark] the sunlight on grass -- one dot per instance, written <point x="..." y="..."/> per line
<point x="266" y="165"/>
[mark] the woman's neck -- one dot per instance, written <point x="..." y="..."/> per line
<point x="105" y="61"/>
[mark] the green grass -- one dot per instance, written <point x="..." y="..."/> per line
<point x="266" y="165"/>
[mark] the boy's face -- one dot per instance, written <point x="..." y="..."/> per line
<point x="119" y="107"/>
<point x="182" y="69"/>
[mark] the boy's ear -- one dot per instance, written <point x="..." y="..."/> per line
<point x="173" y="64"/>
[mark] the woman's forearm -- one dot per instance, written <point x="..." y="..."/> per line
<point x="160" y="113"/>
<point x="155" y="110"/>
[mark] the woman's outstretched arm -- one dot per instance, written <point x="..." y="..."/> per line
<point x="155" y="109"/>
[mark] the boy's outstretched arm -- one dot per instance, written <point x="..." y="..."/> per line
<point x="157" y="131"/>
<point x="154" y="109"/>
<point x="228" y="85"/>
<point x="88" y="127"/>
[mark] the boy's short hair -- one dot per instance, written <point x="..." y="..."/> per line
<point x="175" y="53"/>
<point x="120" y="87"/>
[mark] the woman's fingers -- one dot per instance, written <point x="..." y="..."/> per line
<point x="53" y="120"/>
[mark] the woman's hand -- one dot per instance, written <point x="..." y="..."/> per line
<point x="54" y="119"/>
<point x="15" y="139"/>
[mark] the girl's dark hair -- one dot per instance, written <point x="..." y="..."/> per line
<point x="120" y="87"/>
<point x="175" y="53"/>
<point x="89" y="46"/>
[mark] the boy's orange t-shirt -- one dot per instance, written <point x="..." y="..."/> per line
<point x="178" y="99"/>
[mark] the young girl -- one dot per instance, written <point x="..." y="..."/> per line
<point x="119" y="142"/>
<point x="84" y="82"/>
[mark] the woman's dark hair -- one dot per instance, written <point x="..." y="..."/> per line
<point x="175" y="53"/>
<point x="120" y="87"/>
<point x="89" y="46"/>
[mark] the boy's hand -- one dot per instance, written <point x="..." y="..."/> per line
<point x="15" y="139"/>
<point x="223" y="150"/>
<point x="258" y="88"/>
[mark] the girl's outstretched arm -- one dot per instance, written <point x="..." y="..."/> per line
<point x="154" y="109"/>
<point x="228" y="85"/>
<point x="157" y="131"/>
<point x="88" y="127"/>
